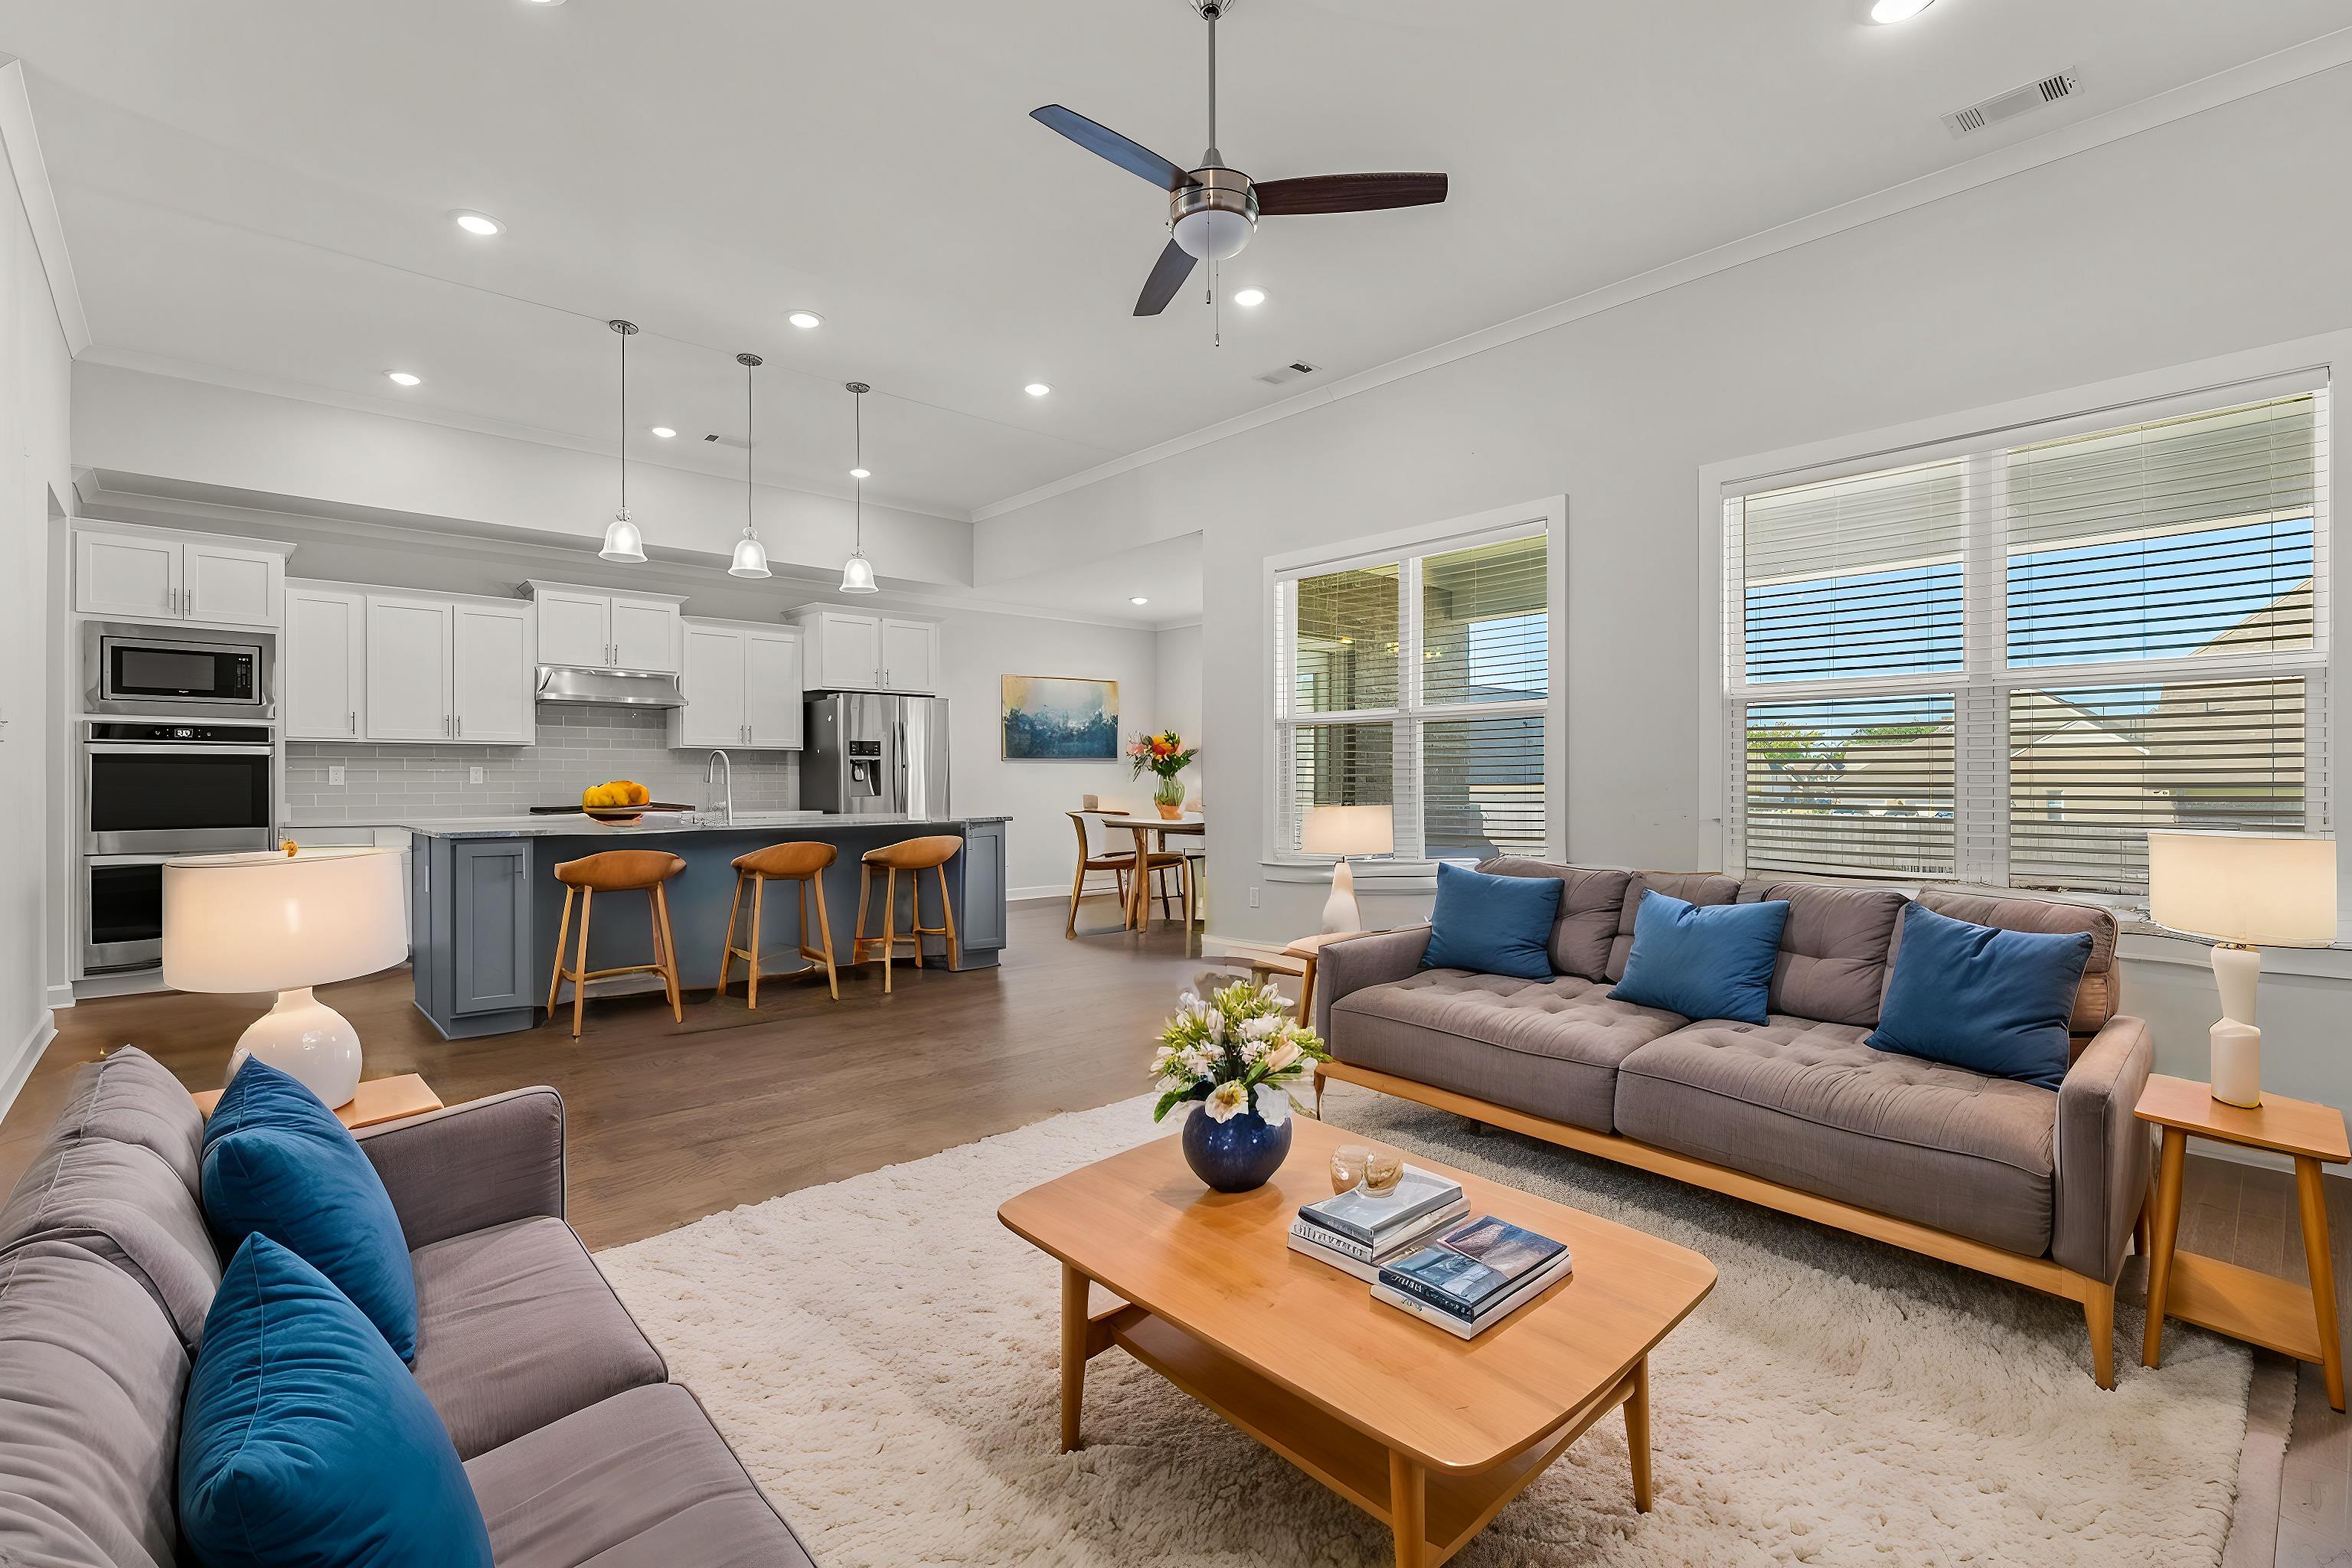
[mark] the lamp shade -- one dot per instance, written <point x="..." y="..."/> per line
<point x="857" y="575"/>
<point x="2265" y="889"/>
<point x="1348" y="830"/>
<point x="278" y="923"/>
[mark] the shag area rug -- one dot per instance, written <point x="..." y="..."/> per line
<point x="883" y="1354"/>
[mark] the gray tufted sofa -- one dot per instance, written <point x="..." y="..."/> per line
<point x="2044" y="1187"/>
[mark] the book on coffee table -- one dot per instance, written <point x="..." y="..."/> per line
<point x="1355" y="1257"/>
<point x="1473" y="1276"/>
<point x="1377" y="1220"/>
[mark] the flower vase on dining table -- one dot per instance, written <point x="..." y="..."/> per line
<point x="1166" y="756"/>
<point x="1170" y="798"/>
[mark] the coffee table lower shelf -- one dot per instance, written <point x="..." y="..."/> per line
<point x="1441" y="1510"/>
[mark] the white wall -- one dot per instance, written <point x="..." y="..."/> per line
<point x="2222" y="231"/>
<point x="33" y="370"/>
<point x="1178" y="692"/>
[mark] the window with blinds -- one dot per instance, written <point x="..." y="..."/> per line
<point x="1420" y="683"/>
<point x="2004" y="666"/>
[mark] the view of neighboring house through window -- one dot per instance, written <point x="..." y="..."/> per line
<point x="2004" y="666"/>
<point x="1418" y="683"/>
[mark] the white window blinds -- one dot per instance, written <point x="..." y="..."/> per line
<point x="2006" y="665"/>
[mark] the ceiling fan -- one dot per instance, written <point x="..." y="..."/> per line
<point x="1214" y="209"/>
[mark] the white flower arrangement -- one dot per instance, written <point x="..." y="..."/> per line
<point x="1234" y="1047"/>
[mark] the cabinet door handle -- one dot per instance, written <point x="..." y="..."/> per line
<point x="461" y="723"/>
<point x="353" y="725"/>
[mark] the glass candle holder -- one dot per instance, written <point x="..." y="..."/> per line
<point x="1347" y="1166"/>
<point x="1383" y="1169"/>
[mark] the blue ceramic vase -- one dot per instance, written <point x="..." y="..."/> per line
<point x="1236" y="1155"/>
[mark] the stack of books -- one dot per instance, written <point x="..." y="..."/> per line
<point x="1359" y="1232"/>
<point x="1473" y="1277"/>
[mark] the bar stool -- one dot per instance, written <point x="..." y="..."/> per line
<point x="615" y="871"/>
<point x="914" y="857"/>
<point x="803" y="863"/>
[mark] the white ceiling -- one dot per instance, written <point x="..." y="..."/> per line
<point x="256" y="190"/>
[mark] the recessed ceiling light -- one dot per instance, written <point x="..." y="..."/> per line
<point x="481" y="224"/>
<point x="861" y="473"/>
<point x="403" y="378"/>
<point x="1890" y="11"/>
<point x="663" y="431"/>
<point x="805" y="319"/>
<point x="1139" y="599"/>
<point x="1036" y="389"/>
<point x="1249" y="298"/>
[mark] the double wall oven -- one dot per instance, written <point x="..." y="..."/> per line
<point x="179" y="756"/>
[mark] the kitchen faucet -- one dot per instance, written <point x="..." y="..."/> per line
<point x="725" y="766"/>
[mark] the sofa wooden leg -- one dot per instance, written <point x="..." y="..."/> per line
<point x="2099" y="1316"/>
<point x="1319" y="1091"/>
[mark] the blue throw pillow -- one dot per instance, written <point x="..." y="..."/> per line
<point x="1712" y="961"/>
<point x="1977" y="996"/>
<point x="1496" y="925"/>
<point x="304" y="1439"/>
<point x="277" y="1162"/>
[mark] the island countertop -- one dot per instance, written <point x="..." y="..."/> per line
<point x="577" y="825"/>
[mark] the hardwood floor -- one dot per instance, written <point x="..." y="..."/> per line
<point x="671" y="1121"/>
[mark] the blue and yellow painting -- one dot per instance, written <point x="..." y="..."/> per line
<point x="1059" y="717"/>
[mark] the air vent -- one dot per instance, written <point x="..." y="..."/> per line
<point x="715" y="440"/>
<point x="2008" y="105"/>
<point x="1291" y="371"/>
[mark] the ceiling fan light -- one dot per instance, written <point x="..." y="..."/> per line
<point x="857" y="574"/>
<point x="751" y="558"/>
<point x="622" y="542"/>
<point x="1211" y="234"/>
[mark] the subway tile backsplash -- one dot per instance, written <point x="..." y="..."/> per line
<point x="386" y="782"/>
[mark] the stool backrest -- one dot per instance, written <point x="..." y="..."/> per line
<point x="617" y="870"/>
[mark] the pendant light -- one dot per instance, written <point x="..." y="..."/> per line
<point x="623" y="540"/>
<point x="751" y="555"/>
<point x="858" y="572"/>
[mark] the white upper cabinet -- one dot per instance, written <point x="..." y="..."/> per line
<point x="590" y="628"/>
<point x="151" y="574"/>
<point x="322" y="663"/>
<point x="742" y="688"/>
<point x="491" y="674"/>
<point x="408" y="691"/>
<point x="849" y="650"/>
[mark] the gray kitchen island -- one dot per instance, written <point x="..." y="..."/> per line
<point x="485" y="903"/>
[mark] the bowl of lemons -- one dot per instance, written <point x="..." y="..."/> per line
<point x="616" y="801"/>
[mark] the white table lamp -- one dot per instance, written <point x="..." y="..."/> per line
<point x="2243" y="889"/>
<point x="1345" y="830"/>
<point x="280" y="923"/>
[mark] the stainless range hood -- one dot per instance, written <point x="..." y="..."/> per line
<point x="606" y="688"/>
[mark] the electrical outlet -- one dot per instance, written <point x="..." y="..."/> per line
<point x="1253" y="898"/>
<point x="473" y="775"/>
<point x="334" y="777"/>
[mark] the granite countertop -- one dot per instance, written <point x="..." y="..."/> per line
<point x="575" y="825"/>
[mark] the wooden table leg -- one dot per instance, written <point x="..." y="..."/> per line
<point x="1139" y="912"/>
<point x="2312" y="1202"/>
<point x="2167" y="1226"/>
<point x="1637" y="1434"/>
<point x="1408" y="1510"/>
<point x="1074" y="1352"/>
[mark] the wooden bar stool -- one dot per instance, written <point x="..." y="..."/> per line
<point x="914" y="857"/>
<point x="804" y="863"/>
<point x="615" y="871"/>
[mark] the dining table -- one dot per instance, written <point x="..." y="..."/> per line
<point x="1138" y="890"/>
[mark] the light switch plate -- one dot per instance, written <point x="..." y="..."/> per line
<point x="334" y="775"/>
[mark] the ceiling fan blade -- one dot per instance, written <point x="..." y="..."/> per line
<point x="1168" y="275"/>
<point x="1350" y="192"/>
<point x="1105" y="142"/>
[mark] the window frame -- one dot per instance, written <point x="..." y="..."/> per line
<point x="1982" y="803"/>
<point x="1405" y="549"/>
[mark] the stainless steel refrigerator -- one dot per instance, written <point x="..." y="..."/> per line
<point x="876" y="752"/>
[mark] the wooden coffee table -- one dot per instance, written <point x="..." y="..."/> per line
<point x="1426" y="1432"/>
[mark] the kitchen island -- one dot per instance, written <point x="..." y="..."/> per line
<point x="484" y="904"/>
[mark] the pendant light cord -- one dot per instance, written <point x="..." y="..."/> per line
<point x="746" y="443"/>
<point x="857" y="416"/>
<point x="624" y="424"/>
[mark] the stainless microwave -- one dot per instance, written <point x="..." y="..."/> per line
<point x="143" y="670"/>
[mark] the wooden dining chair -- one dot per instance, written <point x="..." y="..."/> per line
<point x="1118" y="862"/>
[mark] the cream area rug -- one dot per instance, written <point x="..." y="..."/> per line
<point x="883" y="1354"/>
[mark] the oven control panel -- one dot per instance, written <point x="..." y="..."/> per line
<point x="181" y="735"/>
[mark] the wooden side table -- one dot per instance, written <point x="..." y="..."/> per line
<point x="2260" y="1308"/>
<point x="1308" y="951"/>
<point x="378" y="1099"/>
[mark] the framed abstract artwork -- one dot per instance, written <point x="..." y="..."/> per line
<point x="1060" y="717"/>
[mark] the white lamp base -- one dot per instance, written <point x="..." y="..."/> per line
<point x="309" y="1041"/>
<point x="2237" y="1043"/>
<point x="1339" y="910"/>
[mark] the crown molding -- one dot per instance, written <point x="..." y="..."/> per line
<point x="31" y="172"/>
<point x="2324" y="53"/>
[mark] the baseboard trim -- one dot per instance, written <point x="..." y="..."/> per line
<point x="29" y="1055"/>
<point x="59" y="997"/>
<point x="1031" y="895"/>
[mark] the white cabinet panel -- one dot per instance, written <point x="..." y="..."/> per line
<point x="713" y="687"/>
<point x="320" y="663"/>
<point x="130" y="575"/>
<point x="909" y="656"/>
<point x="491" y="674"/>
<point x="408" y="690"/>
<point x="223" y="583"/>
<point x="848" y="650"/>
<point x="645" y="635"/>
<point x="772" y="681"/>
<point x="575" y="630"/>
